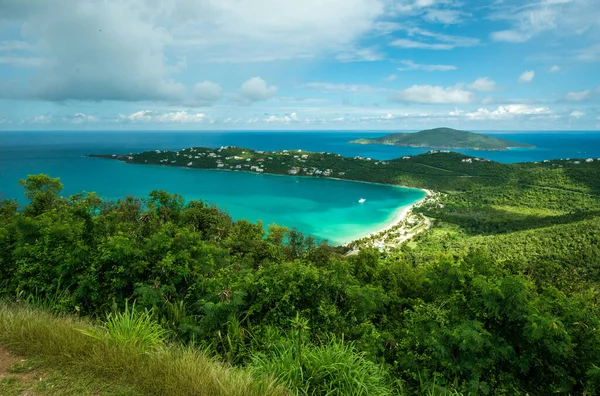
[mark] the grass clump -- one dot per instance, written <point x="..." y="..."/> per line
<point x="335" y="368"/>
<point x="129" y="350"/>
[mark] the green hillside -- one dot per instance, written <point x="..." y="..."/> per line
<point x="444" y="138"/>
<point x="499" y="297"/>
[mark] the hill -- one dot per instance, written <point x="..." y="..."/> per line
<point x="444" y="138"/>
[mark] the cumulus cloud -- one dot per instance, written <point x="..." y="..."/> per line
<point x="256" y="89"/>
<point x="86" y="55"/>
<point x="81" y="118"/>
<point x="483" y="84"/>
<point x="175" y="117"/>
<point x="430" y="94"/>
<point x="207" y="92"/>
<point x="285" y="119"/>
<point x="508" y="112"/>
<point x="526" y="76"/>
<point x="410" y="65"/>
<point x="554" y="69"/>
<point x="391" y="77"/>
<point x="131" y="49"/>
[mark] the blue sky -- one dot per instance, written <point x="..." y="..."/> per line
<point x="299" y="64"/>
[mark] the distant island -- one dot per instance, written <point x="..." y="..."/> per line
<point x="444" y="138"/>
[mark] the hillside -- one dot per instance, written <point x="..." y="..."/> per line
<point x="444" y="138"/>
<point x="508" y="274"/>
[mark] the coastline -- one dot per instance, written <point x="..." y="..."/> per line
<point x="399" y="216"/>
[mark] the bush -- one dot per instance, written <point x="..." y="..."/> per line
<point x="335" y="368"/>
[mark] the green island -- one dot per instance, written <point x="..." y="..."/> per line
<point x="497" y="294"/>
<point x="444" y="138"/>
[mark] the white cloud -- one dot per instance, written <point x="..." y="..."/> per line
<point x="207" y="92"/>
<point x="526" y="76"/>
<point x="483" y="84"/>
<point x="562" y="17"/>
<point x="391" y="77"/>
<point x="175" y="117"/>
<point x="41" y="119"/>
<point x="360" y="55"/>
<point x="433" y="41"/>
<point x="554" y="69"/>
<point x="256" y="89"/>
<point x="588" y="54"/>
<point x="508" y="112"/>
<point x="430" y="94"/>
<point x="132" y="49"/>
<point x="326" y="87"/>
<point x="285" y="119"/>
<point x="577" y="113"/>
<point x="447" y="17"/>
<point x="578" y="96"/>
<point x="410" y="65"/>
<point x="81" y="118"/>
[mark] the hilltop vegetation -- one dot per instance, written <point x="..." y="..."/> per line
<point x="499" y="297"/>
<point x="444" y="138"/>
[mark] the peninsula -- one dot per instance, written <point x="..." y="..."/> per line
<point x="444" y="138"/>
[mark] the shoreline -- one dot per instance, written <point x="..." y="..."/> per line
<point x="399" y="216"/>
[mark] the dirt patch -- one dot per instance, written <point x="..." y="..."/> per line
<point x="6" y="361"/>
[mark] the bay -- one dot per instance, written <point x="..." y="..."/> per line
<point x="325" y="208"/>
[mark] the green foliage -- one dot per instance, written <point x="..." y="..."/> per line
<point x="444" y="137"/>
<point x="134" y="328"/>
<point x="335" y="368"/>
<point x="499" y="297"/>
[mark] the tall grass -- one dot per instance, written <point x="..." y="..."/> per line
<point x="129" y="350"/>
<point x="333" y="369"/>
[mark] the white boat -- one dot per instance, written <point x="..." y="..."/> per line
<point x="361" y="200"/>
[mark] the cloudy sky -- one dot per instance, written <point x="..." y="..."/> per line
<point x="299" y="64"/>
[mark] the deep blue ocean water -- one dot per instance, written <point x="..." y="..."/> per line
<point x="325" y="208"/>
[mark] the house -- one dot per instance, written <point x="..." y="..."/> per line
<point x="189" y="163"/>
<point x="238" y="167"/>
<point x="589" y="160"/>
<point x="406" y="157"/>
<point x="220" y="165"/>
<point x="213" y="155"/>
<point x="467" y="160"/>
<point x="341" y="173"/>
<point x="327" y="172"/>
<point x="304" y="156"/>
<point x="293" y="170"/>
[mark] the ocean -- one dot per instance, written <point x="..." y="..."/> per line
<point x="327" y="209"/>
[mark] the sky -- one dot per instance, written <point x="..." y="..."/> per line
<point x="299" y="64"/>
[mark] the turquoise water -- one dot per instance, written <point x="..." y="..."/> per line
<point x="328" y="209"/>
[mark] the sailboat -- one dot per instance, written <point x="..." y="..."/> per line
<point x="361" y="200"/>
